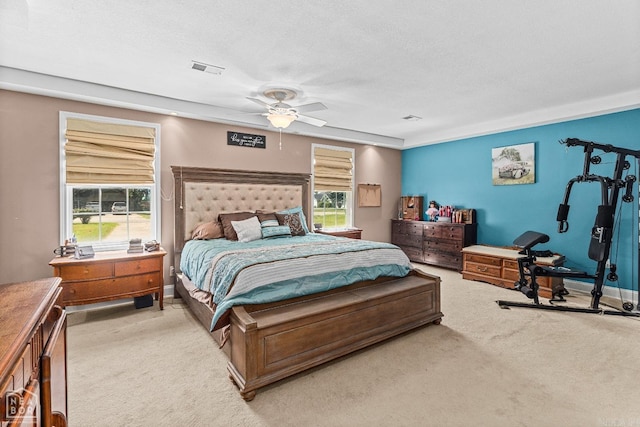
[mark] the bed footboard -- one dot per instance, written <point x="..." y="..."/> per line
<point x="273" y="343"/>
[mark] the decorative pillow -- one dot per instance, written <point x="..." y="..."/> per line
<point x="225" y="220"/>
<point x="299" y="211"/>
<point x="265" y="216"/>
<point x="271" y="232"/>
<point x="247" y="230"/>
<point x="208" y="230"/>
<point x="293" y="221"/>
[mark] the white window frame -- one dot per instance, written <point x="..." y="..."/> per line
<point x="350" y="197"/>
<point x="66" y="191"/>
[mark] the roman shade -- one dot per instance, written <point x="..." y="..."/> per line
<point x="332" y="169"/>
<point x="108" y="153"/>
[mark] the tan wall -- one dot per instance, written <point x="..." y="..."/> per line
<point x="29" y="173"/>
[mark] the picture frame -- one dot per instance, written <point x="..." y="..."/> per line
<point x="513" y="164"/>
<point x="369" y="195"/>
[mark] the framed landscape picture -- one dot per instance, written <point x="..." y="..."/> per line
<point x="514" y="164"/>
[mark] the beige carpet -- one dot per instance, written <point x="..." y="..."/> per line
<point x="482" y="366"/>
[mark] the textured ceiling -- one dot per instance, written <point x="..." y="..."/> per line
<point x="466" y="68"/>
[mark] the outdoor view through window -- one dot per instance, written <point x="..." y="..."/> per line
<point x="330" y="209"/>
<point x="111" y="214"/>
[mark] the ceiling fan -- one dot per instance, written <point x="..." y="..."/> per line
<point x="281" y="115"/>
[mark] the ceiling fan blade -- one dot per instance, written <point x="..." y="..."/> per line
<point x="314" y="106"/>
<point x="311" y="120"/>
<point x="259" y="102"/>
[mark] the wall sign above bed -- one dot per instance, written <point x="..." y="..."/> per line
<point x="246" y="140"/>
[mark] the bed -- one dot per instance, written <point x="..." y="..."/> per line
<point x="281" y="304"/>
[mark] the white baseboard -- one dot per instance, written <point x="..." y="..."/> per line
<point x="168" y="291"/>
<point x="610" y="294"/>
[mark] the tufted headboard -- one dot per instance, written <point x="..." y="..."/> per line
<point x="201" y="194"/>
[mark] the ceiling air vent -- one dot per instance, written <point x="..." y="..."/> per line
<point x="207" y="68"/>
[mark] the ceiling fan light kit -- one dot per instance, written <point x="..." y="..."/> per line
<point x="281" y="115"/>
<point x="281" y="120"/>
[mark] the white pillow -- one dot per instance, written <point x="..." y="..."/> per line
<point x="248" y="229"/>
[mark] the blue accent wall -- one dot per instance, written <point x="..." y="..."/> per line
<point x="459" y="173"/>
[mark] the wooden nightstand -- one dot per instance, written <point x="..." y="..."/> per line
<point x="352" y="233"/>
<point x="110" y="276"/>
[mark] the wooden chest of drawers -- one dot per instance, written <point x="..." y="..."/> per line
<point x="435" y="243"/>
<point x="110" y="276"/>
<point x="33" y="361"/>
<point x="499" y="266"/>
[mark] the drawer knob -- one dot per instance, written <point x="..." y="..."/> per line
<point x="482" y="269"/>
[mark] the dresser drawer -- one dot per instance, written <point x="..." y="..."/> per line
<point x="481" y="259"/>
<point x="444" y="246"/>
<point x="484" y="269"/>
<point x="414" y="254"/>
<point x="110" y="289"/>
<point x="86" y="271"/>
<point x="407" y="240"/>
<point x="137" y="267"/>
<point x="407" y="227"/>
<point x="443" y="259"/>
<point x="431" y="230"/>
<point x="510" y="274"/>
<point x="511" y="263"/>
<point x="451" y="232"/>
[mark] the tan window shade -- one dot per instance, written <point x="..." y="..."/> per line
<point x="109" y="153"/>
<point x="332" y="170"/>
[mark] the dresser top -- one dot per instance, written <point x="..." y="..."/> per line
<point x="510" y="253"/>
<point x="107" y="256"/>
<point x="22" y="306"/>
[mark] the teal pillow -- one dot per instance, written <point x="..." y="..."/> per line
<point x="269" y="223"/>
<point x="270" y="232"/>
<point x="298" y="210"/>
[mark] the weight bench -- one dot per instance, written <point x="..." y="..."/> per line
<point x="529" y="271"/>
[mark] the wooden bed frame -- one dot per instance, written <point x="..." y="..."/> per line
<point x="269" y="342"/>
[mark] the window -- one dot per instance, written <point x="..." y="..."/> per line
<point x="332" y="186"/>
<point x="109" y="179"/>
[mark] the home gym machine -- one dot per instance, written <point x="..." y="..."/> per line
<point x="601" y="234"/>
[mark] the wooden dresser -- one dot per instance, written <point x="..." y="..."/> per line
<point x="499" y="266"/>
<point x="435" y="243"/>
<point x="33" y="360"/>
<point x="110" y="276"/>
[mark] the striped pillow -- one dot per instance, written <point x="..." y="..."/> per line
<point x="276" y="231"/>
<point x="269" y="223"/>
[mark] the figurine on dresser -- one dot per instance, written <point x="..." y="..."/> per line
<point x="432" y="212"/>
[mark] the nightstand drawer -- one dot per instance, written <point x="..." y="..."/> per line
<point x="110" y="289"/>
<point x="86" y="271"/>
<point x="137" y="267"/>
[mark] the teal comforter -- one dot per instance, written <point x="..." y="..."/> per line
<point x="269" y="270"/>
